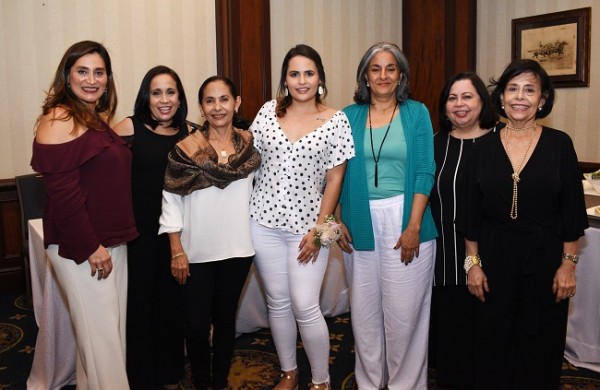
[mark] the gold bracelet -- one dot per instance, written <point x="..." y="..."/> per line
<point x="177" y="255"/>
<point x="471" y="261"/>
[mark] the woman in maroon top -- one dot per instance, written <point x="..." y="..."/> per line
<point x="88" y="217"/>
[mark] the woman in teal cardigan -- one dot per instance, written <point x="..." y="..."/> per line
<point x="389" y="241"/>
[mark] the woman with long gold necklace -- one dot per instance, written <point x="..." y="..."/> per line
<point x="525" y="214"/>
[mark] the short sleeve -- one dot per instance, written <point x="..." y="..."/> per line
<point x="342" y="143"/>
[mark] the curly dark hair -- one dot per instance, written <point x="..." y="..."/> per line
<point x="515" y="68"/>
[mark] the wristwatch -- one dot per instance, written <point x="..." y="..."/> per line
<point x="471" y="261"/>
<point x="573" y="258"/>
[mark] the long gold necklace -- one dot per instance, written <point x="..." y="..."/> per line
<point x="516" y="172"/>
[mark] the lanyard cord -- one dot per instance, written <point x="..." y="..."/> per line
<point x="376" y="159"/>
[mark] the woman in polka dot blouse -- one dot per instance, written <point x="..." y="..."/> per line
<point x="304" y="147"/>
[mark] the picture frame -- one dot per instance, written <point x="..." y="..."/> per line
<point x="559" y="41"/>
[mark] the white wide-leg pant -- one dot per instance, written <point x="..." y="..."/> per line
<point x="98" y="311"/>
<point x="390" y="304"/>
<point x="293" y="292"/>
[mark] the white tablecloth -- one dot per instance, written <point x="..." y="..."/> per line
<point x="55" y="351"/>
<point x="583" y="331"/>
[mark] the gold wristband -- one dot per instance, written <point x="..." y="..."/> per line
<point x="471" y="261"/>
<point x="177" y="255"/>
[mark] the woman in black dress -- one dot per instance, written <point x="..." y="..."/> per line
<point x="525" y="215"/>
<point x="466" y="116"/>
<point x="154" y="338"/>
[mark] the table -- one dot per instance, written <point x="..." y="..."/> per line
<point x="55" y="355"/>
<point x="54" y="361"/>
<point x="583" y="330"/>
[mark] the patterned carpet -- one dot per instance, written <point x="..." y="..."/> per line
<point x="254" y="366"/>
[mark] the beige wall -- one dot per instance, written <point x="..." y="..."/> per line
<point x="139" y="34"/>
<point x="574" y="110"/>
<point x="340" y="30"/>
<point x="181" y="33"/>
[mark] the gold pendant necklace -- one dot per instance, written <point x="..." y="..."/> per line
<point x="515" y="175"/>
<point x="217" y="144"/>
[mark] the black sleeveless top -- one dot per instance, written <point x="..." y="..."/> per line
<point x="150" y="151"/>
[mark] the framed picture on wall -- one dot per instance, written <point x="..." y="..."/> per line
<point x="559" y="41"/>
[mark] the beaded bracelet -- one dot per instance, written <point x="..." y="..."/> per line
<point x="471" y="261"/>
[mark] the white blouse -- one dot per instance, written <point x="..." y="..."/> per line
<point x="291" y="179"/>
<point x="214" y="223"/>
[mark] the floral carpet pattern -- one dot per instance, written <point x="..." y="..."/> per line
<point x="254" y="365"/>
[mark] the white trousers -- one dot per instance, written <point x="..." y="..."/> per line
<point x="98" y="310"/>
<point x="293" y="291"/>
<point x="390" y="304"/>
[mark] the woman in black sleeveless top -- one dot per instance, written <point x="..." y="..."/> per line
<point x="154" y="350"/>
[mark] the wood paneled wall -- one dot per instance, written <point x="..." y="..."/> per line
<point x="439" y="41"/>
<point x="11" y="270"/>
<point x="244" y="50"/>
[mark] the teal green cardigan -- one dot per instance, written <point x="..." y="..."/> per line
<point x="420" y="172"/>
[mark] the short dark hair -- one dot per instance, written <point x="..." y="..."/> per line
<point x="362" y="95"/>
<point x="238" y="121"/>
<point x="305" y="51"/>
<point x="515" y="68"/>
<point x="141" y="108"/>
<point x="488" y="116"/>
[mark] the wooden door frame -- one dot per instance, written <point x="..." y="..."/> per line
<point x="244" y="50"/>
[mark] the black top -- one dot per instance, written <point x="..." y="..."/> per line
<point x="550" y="193"/>
<point x="447" y="200"/>
<point x="150" y="152"/>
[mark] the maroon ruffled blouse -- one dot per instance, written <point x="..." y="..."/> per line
<point x="88" y="182"/>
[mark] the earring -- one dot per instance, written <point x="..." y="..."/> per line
<point x="399" y="82"/>
<point x="540" y="108"/>
<point x="286" y="92"/>
<point x="502" y="107"/>
<point x="320" y="90"/>
<point x="368" y="84"/>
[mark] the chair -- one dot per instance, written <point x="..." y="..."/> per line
<point x="32" y="199"/>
